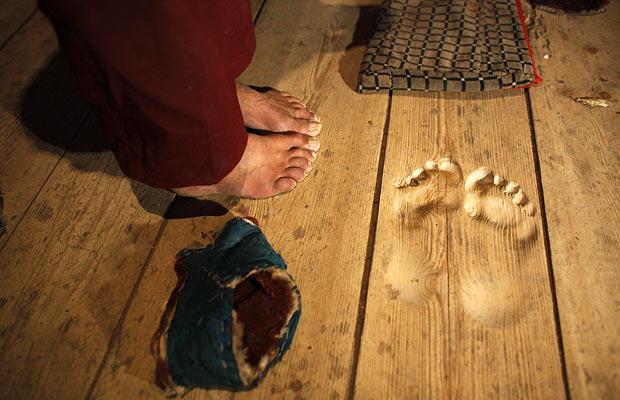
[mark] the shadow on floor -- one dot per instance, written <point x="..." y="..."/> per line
<point x="53" y="110"/>
<point x="59" y="120"/>
<point x="187" y="207"/>
<point x="349" y="64"/>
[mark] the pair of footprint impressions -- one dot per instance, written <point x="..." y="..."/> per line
<point x="437" y="185"/>
<point x="489" y="295"/>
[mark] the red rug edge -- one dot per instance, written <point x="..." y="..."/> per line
<point x="537" y="78"/>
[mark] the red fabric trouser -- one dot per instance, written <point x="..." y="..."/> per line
<point x="161" y="78"/>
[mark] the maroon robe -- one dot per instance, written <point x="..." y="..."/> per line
<point x="161" y="77"/>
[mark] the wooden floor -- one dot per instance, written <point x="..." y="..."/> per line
<point x="395" y="306"/>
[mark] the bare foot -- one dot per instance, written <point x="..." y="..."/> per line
<point x="271" y="164"/>
<point x="276" y="111"/>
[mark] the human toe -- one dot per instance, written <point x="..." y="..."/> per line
<point x="293" y="140"/>
<point x="303" y="163"/>
<point x="295" y="173"/>
<point x="308" y="127"/>
<point x="284" y="184"/>
<point x="302" y="113"/>
<point x="309" y="155"/>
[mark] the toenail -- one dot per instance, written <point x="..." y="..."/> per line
<point x="313" y="155"/>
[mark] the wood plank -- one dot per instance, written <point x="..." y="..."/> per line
<point x="403" y="350"/>
<point x="41" y="111"/>
<point x="503" y="334"/>
<point x="14" y="13"/>
<point x="580" y="159"/>
<point x="457" y="307"/>
<point x="321" y="228"/>
<point x="68" y="270"/>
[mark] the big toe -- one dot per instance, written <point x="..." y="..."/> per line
<point x="298" y="174"/>
<point x="284" y="184"/>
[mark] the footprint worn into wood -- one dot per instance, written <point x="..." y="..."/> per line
<point x="231" y="317"/>
<point x="414" y="270"/>
<point x="481" y="203"/>
<point x="433" y="186"/>
<point x="433" y="189"/>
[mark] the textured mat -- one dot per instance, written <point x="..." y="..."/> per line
<point x="449" y="46"/>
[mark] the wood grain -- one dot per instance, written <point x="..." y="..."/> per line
<point x="457" y="307"/>
<point x="68" y="270"/>
<point x="579" y="151"/>
<point x="502" y="330"/>
<point x="404" y="344"/>
<point x="321" y="228"/>
<point x="13" y="15"/>
<point x="41" y="111"/>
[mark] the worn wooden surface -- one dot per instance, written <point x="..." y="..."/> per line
<point x="77" y="230"/>
<point x="502" y="328"/>
<point x="466" y="301"/>
<point x="68" y="270"/>
<point x="579" y="150"/>
<point x="13" y="15"/>
<point x="41" y="111"/>
<point x="395" y="305"/>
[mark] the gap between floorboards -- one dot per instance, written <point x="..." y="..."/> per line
<point x="370" y="250"/>
<point x="18" y="29"/>
<point x="547" y="243"/>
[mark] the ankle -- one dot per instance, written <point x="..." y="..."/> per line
<point x="195" y="191"/>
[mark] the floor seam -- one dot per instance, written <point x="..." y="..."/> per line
<point x="117" y="329"/>
<point x="17" y="30"/>
<point x="49" y="175"/>
<point x="448" y="296"/>
<point x="547" y="244"/>
<point x="370" y="248"/>
<point x="258" y="13"/>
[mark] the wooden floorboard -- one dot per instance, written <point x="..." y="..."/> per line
<point x="321" y="228"/>
<point x="579" y="152"/>
<point x="77" y="230"/>
<point x="457" y="307"/>
<point x="68" y="270"/>
<point x="41" y="111"/>
<point x="13" y="14"/>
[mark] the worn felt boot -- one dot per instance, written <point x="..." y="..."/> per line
<point x="230" y="318"/>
